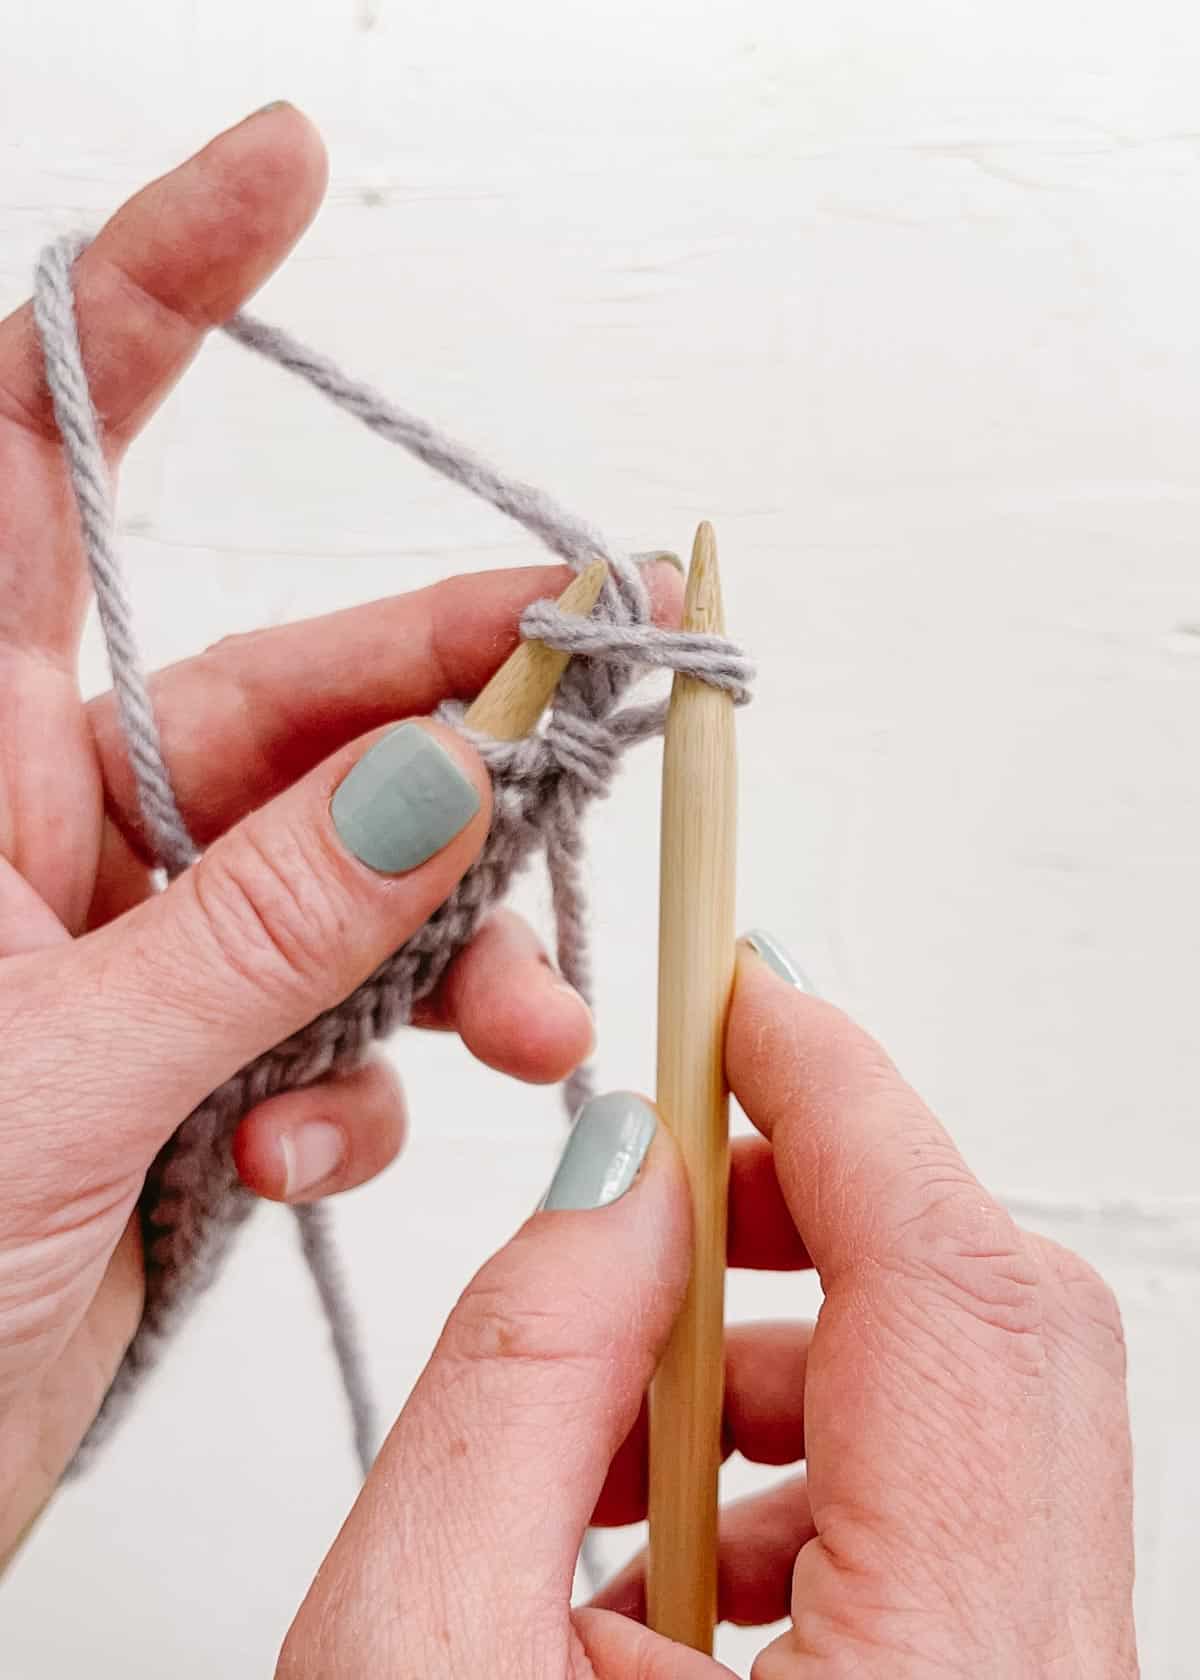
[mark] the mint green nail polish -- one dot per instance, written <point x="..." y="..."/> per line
<point x="778" y="960"/>
<point x="403" y="801"/>
<point x="604" y="1152"/>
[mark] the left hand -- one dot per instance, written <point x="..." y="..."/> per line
<point x="241" y="724"/>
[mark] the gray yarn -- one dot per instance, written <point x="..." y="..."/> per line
<point x="193" y="1203"/>
<point x="54" y="315"/>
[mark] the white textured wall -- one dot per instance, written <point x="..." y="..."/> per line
<point x="904" y="298"/>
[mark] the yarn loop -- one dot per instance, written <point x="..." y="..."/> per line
<point x="193" y="1203"/>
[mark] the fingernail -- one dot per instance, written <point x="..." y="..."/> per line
<point x="275" y="105"/>
<point x="581" y="1003"/>
<point x="604" y="1152"/>
<point x="403" y="801"/>
<point x="311" y="1153"/>
<point x="663" y="556"/>
<point x="778" y="960"/>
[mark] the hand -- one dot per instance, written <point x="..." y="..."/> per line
<point x="960" y="1402"/>
<point x="121" y="1010"/>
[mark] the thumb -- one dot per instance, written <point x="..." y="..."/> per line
<point x="279" y="920"/>
<point x="462" y="1546"/>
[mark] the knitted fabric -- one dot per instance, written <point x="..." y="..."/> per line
<point x="193" y="1203"/>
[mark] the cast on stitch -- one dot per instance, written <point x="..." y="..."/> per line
<point x="193" y="1203"/>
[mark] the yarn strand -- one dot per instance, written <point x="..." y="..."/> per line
<point x="193" y="1204"/>
<point x="561" y="532"/>
<point x="79" y="428"/>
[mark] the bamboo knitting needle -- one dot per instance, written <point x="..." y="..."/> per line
<point x="506" y="708"/>
<point x="695" y="976"/>
<point x="519" y="692"/>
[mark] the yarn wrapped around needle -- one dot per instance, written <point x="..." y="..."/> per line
<point x="193" y="1203"/>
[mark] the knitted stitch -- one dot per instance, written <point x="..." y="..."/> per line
<point x="193" y="1203"/>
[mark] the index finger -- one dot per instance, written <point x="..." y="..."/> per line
<point x="238" y="727"/>
<point x="182" y="255"/>
<point x="871" y="1178"/>
<point x="179" y="258"/>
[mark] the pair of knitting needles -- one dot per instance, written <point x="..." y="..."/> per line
<point x="695" y="977"/>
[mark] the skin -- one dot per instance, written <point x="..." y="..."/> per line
<point x="959" y="1406"/>
<point x="122" y="1009"/>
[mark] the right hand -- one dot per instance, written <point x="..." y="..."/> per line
<point x="960" y="1403"/>
<point x="967" y="1508"/>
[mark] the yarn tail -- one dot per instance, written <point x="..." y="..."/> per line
<point x="564" y="858"/>
<point x="321" y="1257"/>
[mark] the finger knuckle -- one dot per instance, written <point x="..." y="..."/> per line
<point x="308" y="1655"/>
<point x="272" y="910"/>
<point x="293" y="1663"/>
<point x="493" y="1329"/>
<point x="227" y="651"/>
<point x="970" y="1253"/>
<point x="320" y="1644"/>
<point x="1093" y="1313"/>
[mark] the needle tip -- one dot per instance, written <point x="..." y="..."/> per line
<point x="703" y="608"/>
<point x="524" y="685"/>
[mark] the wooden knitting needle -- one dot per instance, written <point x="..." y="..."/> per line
<point x="695" y="977"/>
<point x="519" y="692"/>
<point x="506" y="708"/>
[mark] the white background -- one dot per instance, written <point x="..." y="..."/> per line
<point x="904" y="298"/>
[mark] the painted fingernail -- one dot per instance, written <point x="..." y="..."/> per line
<point x="778" y="960"/>
<point x="604" y="1152"/>
<point x="403" y="801"/>
<point x="311" y="1153"/>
